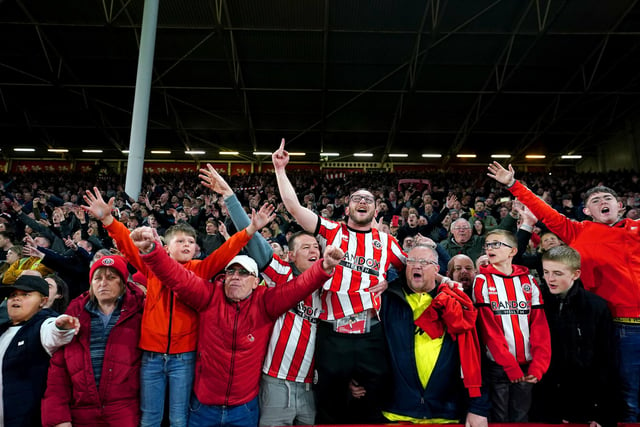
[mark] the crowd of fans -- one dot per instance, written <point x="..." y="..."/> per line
<point x="66" y="229"/>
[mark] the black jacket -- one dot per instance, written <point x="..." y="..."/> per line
<point x="578" y="386"/>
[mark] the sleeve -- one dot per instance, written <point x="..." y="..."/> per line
<point x="218" y="259"/>
<point x="258" y="248"/>
<point x="281" y="298"/>
<point x="396" y="255"/>
<point x="9" y="277"/>
<point x="190" y="288"/>
<point x="53" y="338"/>
<point x="539" y="341"/>
<point x="565" y="228"/>
<point x="508" y="223"/>
<point x="120" y="234"/>
<point x="57" y="397"/>
<point x="494" y="339"/>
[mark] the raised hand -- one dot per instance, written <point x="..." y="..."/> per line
<point x="211" y="179"/>
<point x="527" y="216"/>
<point x="67" y="322"/>
<point x="280" y="157"/>
<point x="500" y="174"/>
<point x="451" y="200"/>
<point x="144" y="238"/>
<point x="332" y="257"/>
<point x="261" y="218"/>
<point x="68" y="242"/>
<point x="97" y="207"/>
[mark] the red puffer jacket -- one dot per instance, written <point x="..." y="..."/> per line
<point x="233" y="336"/>
<point x="72" y="395"/>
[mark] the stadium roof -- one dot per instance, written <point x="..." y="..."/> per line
<point x="331" y="76"/>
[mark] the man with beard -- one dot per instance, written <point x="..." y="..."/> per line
<point x="350" y="340"/>
<point x="461" y="269"/>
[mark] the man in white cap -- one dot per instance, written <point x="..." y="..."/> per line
<point x="236" y="317"/>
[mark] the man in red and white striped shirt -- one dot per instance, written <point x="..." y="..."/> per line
<point x="350" y="345"/>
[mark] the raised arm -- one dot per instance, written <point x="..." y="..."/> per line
<point x="305" y="217"/>
<point x="190" y="288"/>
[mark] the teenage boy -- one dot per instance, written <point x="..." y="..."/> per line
<point x="169" y="327"/>
<point x="513" y="328"/>
<point x="578" y="386"/>
<point x="610" y="252"/>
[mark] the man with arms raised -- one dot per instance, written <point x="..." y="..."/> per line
<point x="350" y="340"/>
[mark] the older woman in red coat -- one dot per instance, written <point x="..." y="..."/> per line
<point x="95" y="380"/>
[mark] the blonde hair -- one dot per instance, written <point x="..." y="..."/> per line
<point x="507" y="235"/>
<point x="564" y="255"/>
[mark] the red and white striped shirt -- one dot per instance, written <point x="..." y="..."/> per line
<point x="368" y="255"/>
<point x="293" y="339"/>
<point x="511" y="299"/>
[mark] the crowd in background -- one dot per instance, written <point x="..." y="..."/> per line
<point x="43" y="226"/>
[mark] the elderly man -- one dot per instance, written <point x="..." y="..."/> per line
<point x="427" y="356"/>
<point x="236" y="318"/>
<point x="462" y="241"/>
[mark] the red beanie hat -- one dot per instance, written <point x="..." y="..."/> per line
<point x="114" y="261"/>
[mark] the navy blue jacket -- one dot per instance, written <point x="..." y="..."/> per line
<point x="445" y="395"/>
<point x="24" y="373"/>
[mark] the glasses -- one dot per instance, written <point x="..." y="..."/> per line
<point x="422" y="262"/>
<point x="495" y="245"/>
<point x="240" y="271"/>
<point x="462" y="228"/>
<point x="358" y="199"/>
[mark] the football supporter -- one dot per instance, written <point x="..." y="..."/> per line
<point x="350" y="340"/>
<point x="513" y="327"/>
<point x="609" y="248"/>
<point x="236" y="317"/>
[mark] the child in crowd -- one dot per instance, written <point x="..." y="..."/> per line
<point x="169" y="327"/>
<point x="578" y="387"/>
<point x="513" y="328"/>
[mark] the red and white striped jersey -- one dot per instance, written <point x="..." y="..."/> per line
<point x="293" y="339"/>
<point x="511" y="299"/>
<point x="368" y="255"/>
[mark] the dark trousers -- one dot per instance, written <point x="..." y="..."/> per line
<point x="341" y="358"/>
<point x="510" y="402"/>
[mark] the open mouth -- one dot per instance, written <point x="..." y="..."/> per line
<point x="313" y="259"/>
<point x="417" y="274"/>
<point x="605" y="210"/>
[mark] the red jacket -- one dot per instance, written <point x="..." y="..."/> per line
<point x="72" y="395"/>
<point x="233" y="337"/>
<point x="610" y="254"/>
<point x="452" y="310"/>
<point x="168" y="325"/>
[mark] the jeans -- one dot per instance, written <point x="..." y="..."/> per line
<point x="155" y="371"/>
<point x="245" y="415"/>
<point x="628" y="347"/>
<point x="286" y="403"/>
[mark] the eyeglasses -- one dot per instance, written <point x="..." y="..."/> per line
<point x="240" y="271"/>
<point x="422" y="262"/>
<point x="358" y="199"/>
<point x="495" y="245"/>
<point x="462" y="228"/>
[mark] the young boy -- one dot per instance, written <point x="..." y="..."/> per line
<point x="513" y="328"/>
<point x="578" y="386"/>
<point x="169" y="327"/>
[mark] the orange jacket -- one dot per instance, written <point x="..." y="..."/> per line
<point x="168" y="325"/>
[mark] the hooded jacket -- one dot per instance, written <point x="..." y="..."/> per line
<point x="72" y="395"/>
<point x="512" y="301"/>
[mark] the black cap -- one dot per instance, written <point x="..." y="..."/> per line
<point x="26" y="283"/>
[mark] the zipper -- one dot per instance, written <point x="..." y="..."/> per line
<point x="233" y="354"/>
<point x="170" y="322"/>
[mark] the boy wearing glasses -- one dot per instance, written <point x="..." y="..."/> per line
<point x="513" y="329"/>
